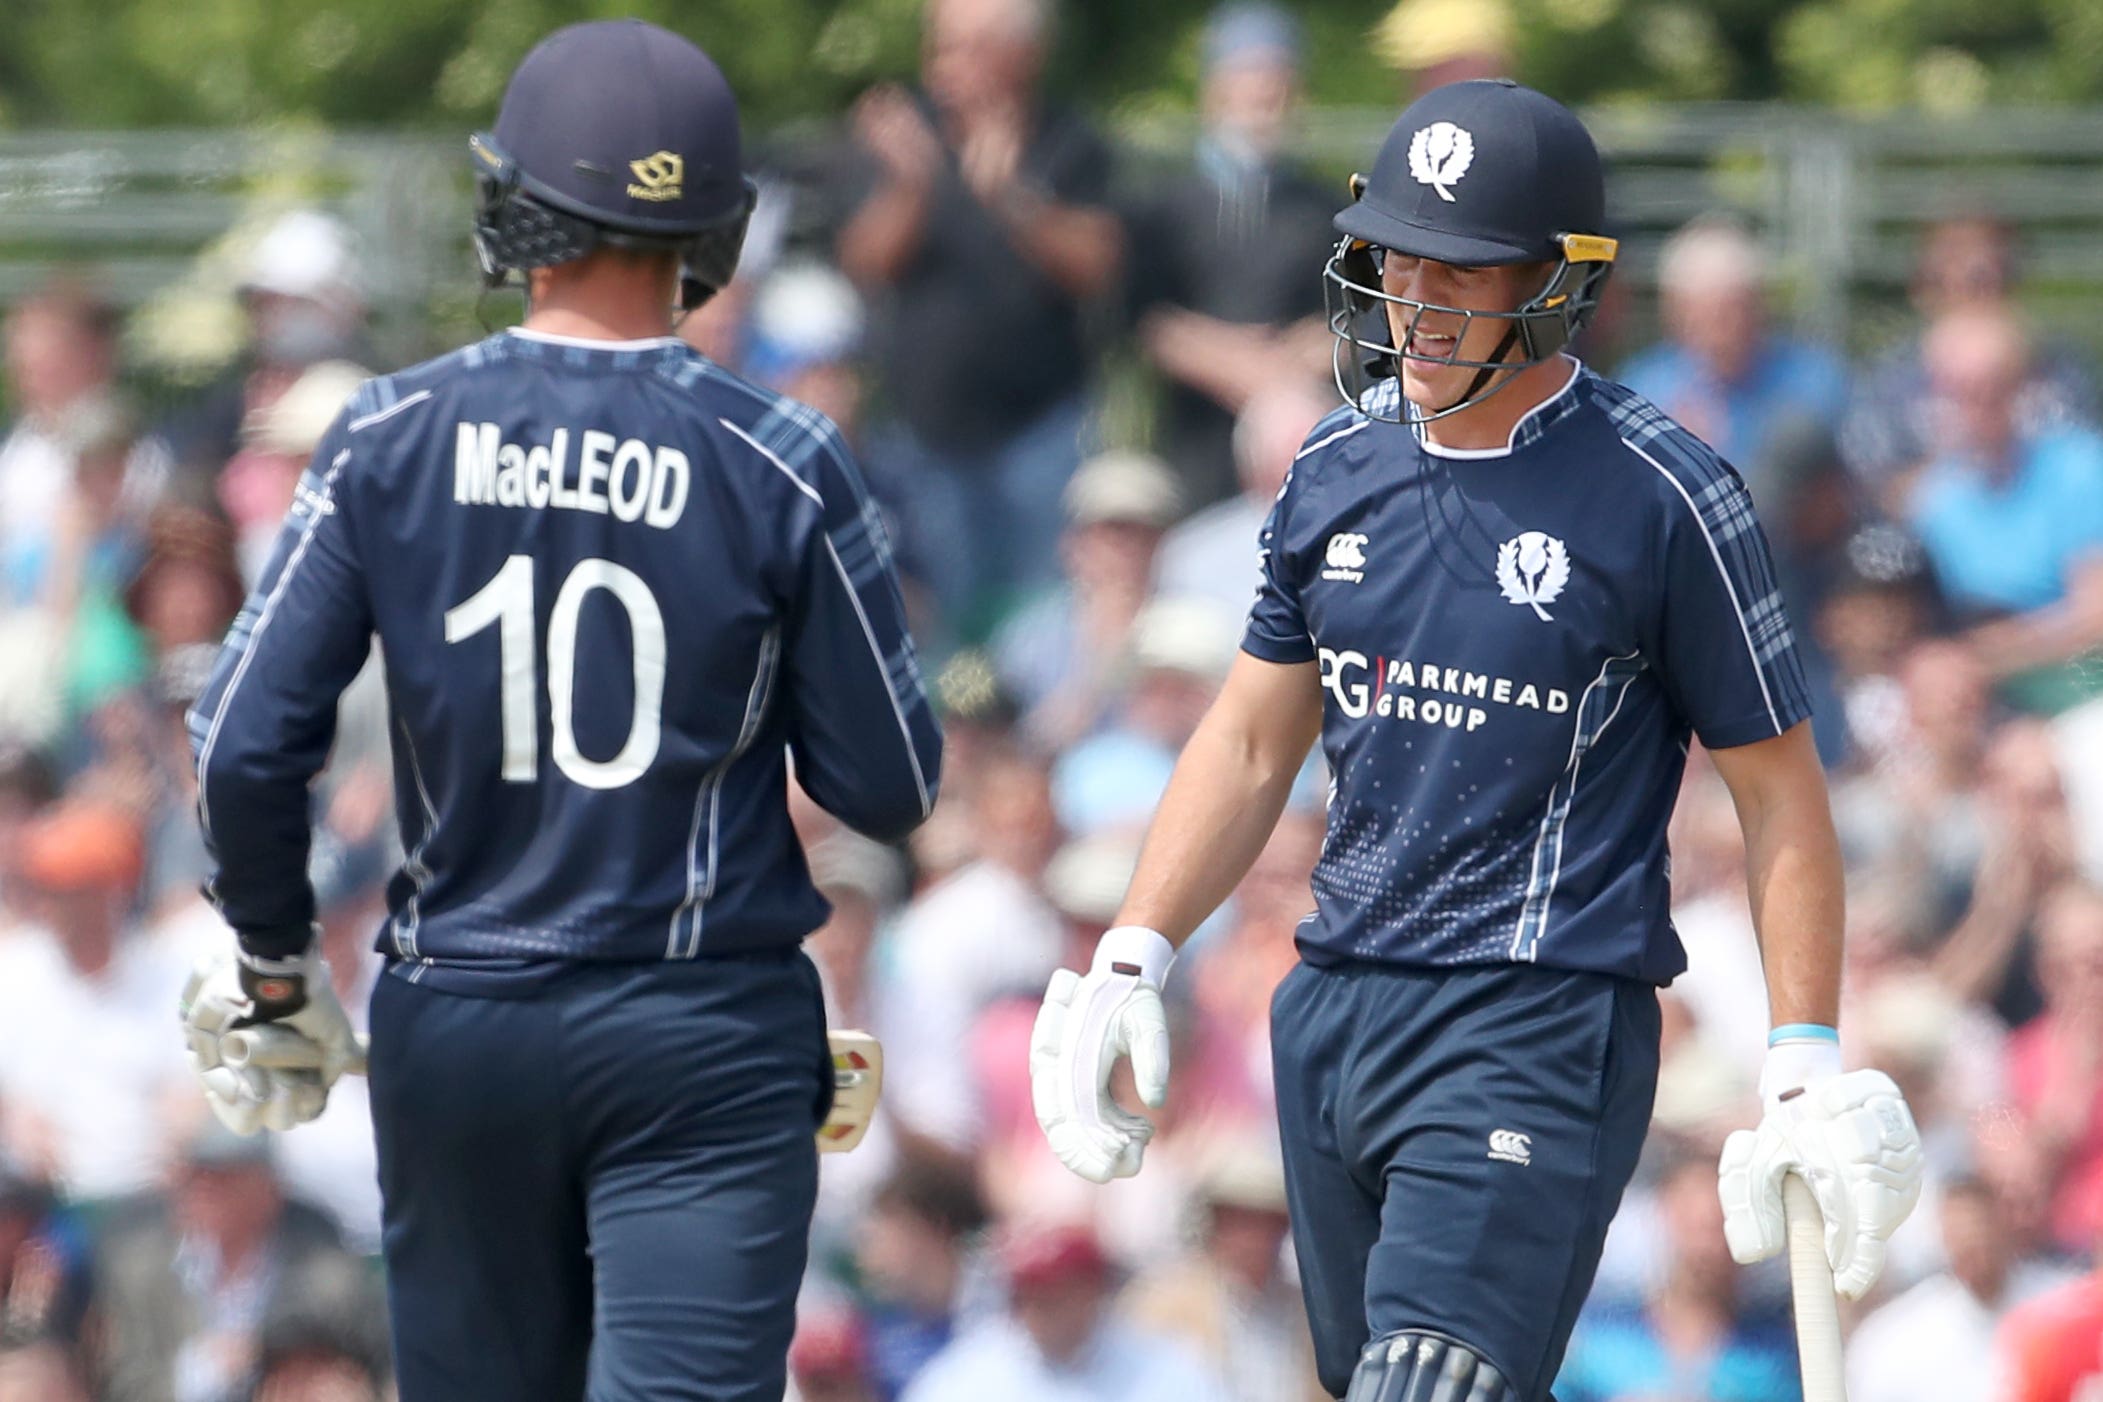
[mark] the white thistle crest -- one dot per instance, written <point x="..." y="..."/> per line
<point x="1532" y="569"/>
<point x="1439" y="156"/>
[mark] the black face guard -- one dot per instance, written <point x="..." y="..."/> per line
<point x="515" y="230"/>
<point x="1365" y="353"/>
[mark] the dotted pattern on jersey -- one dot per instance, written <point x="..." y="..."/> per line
<point x="1463" y="916"/>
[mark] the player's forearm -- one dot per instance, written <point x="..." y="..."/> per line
<point x="1795" y="878"/>
<point x="1222" y="802"/>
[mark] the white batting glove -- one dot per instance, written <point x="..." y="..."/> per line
<point x="1085" y="1025"/>
<point x="295" y="1001"/>
<point x="1849" y="1136"/>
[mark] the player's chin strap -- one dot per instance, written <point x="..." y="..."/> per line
<point x="1419" y="1365"/>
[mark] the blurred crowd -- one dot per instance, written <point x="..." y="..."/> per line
<point x="948" y="285"/>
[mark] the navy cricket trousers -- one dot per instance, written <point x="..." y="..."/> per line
<point x="602" y="1190"/>
<point x="1456" y="1141"/>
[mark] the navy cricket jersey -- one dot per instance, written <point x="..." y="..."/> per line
<point x="1514" y="645"/>
<point x="616" y="589"/>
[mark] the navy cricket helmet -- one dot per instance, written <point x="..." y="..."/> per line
<point x="1477" y="174"/>
<point x="613" y="133"/>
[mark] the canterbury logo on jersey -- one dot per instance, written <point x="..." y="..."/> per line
<point x="1345" y="560"/>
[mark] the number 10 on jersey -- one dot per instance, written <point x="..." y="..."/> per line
<point x="507" y="601"/>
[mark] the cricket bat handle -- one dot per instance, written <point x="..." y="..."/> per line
<point x="270" y="1048"/>
<point x="1817" y="1307"/>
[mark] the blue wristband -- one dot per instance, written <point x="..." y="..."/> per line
<point x="1803" y="1032"/>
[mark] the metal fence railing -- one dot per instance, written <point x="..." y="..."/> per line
<point x="1838" y="200"/>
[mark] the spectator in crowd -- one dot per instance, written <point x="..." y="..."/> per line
<point x="2051" y="1348"/>
<point x="2055" y="1064"/>
<point x="27" y="788"/>
<point x="192" y="1292"/>
<point x="1213" y="553"/>
<point x="1250" y="951"/>
<point x="943" y="972"/>
<point x="61" y="362"/>
<point x="916" y="1259"/>
<point x="277" y="441"/>
<point x="829" y="1360"/>
<point x="1721" y="370"/>
<point x="1061" y="654"/>
<point x="317" y="1358"/>
<point x="1878" y="603"/>
<point x="1225" y="254"/>
<point x="1228" y="1298"/>
<point x="39" y="1370"/>
<point x="1935" y="1342"/>
<point x="88" y="1072"/>
<point x="1690" y="1338"/>
<point x="1060" y="1338"/>
<point x="302" y="296"/>
<point x="1179" y="655"/>
<point x="1436" y="42"/>
<point x="864" y="882"/>
<point x="2012" y="519"/>
<point x="1964" y="263"/>
<point x="803" y="337"/>
<point x="45" y="1268"/>
<point x="984" y="231"/>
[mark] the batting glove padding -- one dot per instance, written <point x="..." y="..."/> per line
<point x="1085" y="1025"/>
<point x="1852" y="1140"/>
<point x="311" y="1043"/>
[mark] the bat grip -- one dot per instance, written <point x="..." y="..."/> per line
<point x="1817" y="1307"/>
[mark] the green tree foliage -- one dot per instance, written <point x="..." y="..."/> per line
<point x="442" y="63"/>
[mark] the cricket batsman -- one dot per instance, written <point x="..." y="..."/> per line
<point x="1503" y="591"/>
<point x="617" y="589"/>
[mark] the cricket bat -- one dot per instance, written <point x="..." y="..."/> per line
<point x="270" y="1048"/>
<point x="1817" y="1307"/>
<point x="857" y="1081"/>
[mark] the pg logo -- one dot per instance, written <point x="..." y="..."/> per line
<point x="659" y="177"/>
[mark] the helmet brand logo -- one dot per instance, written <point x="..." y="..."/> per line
<point x="1532" y="569"/>
<point x="658" y="177"/>
<point x="1439" y="156"/>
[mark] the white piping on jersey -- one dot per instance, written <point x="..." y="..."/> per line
<point x="758" y="447"/>
<point x="1439" y="450"/>
<point x="1539" y="897"/>
<point x="883" y="668"/>
<point x="1340" y="433"/>
<point x="700" y="884"/>
<point x="588" y="343"/>
<point x="255" y="637"/>
<point x="382" y="415"/>
<point x="1759" y="670"/>
<point x="413" y="860"/>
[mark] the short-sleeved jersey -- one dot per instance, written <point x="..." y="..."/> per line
<point x="1515" y="645"/>
<point x="616" y="590"/>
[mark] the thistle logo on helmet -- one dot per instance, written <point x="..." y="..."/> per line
<point x="1439" y="155"/>
<point x="658" y="177"/>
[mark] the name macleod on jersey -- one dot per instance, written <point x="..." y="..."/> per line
<point x="1360" y="686"/>
<point x="622" y="476"/>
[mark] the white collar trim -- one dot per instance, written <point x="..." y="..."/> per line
<point x="590" y="343"/>
<point x="1439" y="450"/>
